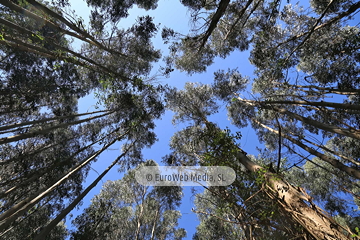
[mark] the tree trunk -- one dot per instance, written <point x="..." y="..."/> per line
<point x="333" y="152"/>
<point x="317" y="104"/>
<point x="137" y="232"/>
<point x="348" y="91"/>
<point x="85" y="35"/>
<point x="329" y="128"/>
<point x="214" y="21"/>
<point x="154" y="225"/>
<point x="318" y="223"/>
<point x="46" y="130"/>
<point x="350" y="11"/>
<point x="47" y="169"/>
<point x="11" y="214"/>
<point x="291" y="200"/>
<point x="15" y="125"/>
<point x="334" y="162"/>
<point x="42" y="235"/>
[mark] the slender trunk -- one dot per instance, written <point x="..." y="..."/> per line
<point x="353" y="8"/>
<point x="16" y="43"/>
<point x="348" y="91"/>
<point x="344" y="179"/>
<point x="214" y="21"/>
<point x="11" y="214"/>
<point x="39" y="149"/>
<point x="335" y="163"/>
<point x="27" y="47"/>
<point x="86" y="35"/>
<point x="317" y="104"/>
<point x="334" y="152"/>
<point x="8" y="111"/>
<point x="329" y="128"/>
<point x="240" y="16"/>
<point x="44" y="52"/>
<point x="48" y="169"/>
<point x="27" y="13"/>
<point x="154" y="224"/>
<point x="15" y="125"/>
<point x="19" y="221"/>
<point x="312" y="30"/>
<point x="137" y="232"/>
<point x="42" y="235"/>
<point x="47" y="130"/>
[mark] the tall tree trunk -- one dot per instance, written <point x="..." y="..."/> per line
<point x="334" y="162"/>
<point x="329" y="128"/>
<point x="42" y="235"/>
<point x="16" y="8"/>
<point x="46" y="130"/>
<point x="317" y="104"/>
<point x="318" y="223"/>
<point x="348" y="91"/>
<point x="154" y="224"/>
<point x="11" y="214"/>
<point x="214" y="21"/>
<point x="16" y="125"/>
<point x="291" y="200"/>
<point x="333" y="152"/>
<point x="137" y="232"/>
<point x="47" y="169"/>
<point x="353" y="8"/>
<point x="85" y="35"/>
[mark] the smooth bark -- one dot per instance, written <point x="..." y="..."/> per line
<point x="335" y="163"/>
<point x="15" y="125"/>
<point x="326" y="127"/>
<point x="14" y="212"/>
<point x="214" y="20"/>
<point x="46" y="130"/>
<point x="333" y="152"/>
<point x="48" y="169"/>
<point x="317" y="104"/>
<point x="42" y="235"/>
<point x="353" y="8"/>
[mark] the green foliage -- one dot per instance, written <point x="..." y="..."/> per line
<point x="148" y="212"/>
<point x="357" y="234"/>
<point x="302" y="58"/>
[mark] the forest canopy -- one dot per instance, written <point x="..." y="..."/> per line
<point x="302" y="101"/>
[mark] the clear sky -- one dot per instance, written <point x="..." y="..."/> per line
<point x="171" y="14"/>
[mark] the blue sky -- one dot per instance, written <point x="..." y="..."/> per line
<point x="170" y="14"/>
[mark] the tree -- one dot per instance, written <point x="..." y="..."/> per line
<point x="302" y="59"/>
<point x="48" y="146"/>
<point x="213" y="146"/>
<point x="126" y="209"/>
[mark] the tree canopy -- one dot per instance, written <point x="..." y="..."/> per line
<point x="302" y="102"/>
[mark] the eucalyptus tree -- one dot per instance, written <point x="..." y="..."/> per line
<point x="203" y="142"/>
<point x="303" y="57"/>
<point x="326" y="68"/>
<point x="242" y="212"/>
<point x="297" y="67"/>
<point x="47" y="147"/>
<point x="332" y="188"/>
<point x="125" y="209"/>
<point x="293" y="111"/>
<point x="221" y="27"/>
